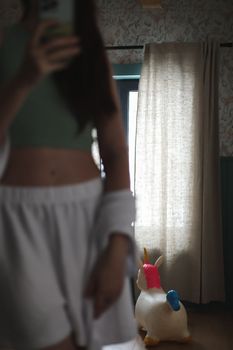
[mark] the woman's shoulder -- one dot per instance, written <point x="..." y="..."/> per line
<point x="12" y="45"/>
<point x="12" y="38"/>
<point x="4" y="32"/>
<point x="2" y="35"/>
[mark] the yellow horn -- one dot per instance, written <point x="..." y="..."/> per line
<point x="146" y="257"/>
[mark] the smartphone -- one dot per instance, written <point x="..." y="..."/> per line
<point x="61" y="11"/>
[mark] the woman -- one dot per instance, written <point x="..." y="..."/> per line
<point x="65" y="235"/>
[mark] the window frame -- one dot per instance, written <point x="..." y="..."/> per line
<point x="125" y="86"/>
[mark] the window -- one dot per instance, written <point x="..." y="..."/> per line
<point x="128" y="91"/>
<point x="133" y="101"/>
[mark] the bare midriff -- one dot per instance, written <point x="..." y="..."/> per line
<point x="49" y="167"/>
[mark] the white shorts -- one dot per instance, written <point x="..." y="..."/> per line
<point x="45" y="241"/>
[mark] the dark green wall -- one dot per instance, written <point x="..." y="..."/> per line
<point x="227" y="214"/>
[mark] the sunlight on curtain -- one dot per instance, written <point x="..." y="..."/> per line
<point x="169" y="170"/>
<point x="166" y="132"/>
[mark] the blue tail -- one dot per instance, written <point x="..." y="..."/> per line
<point x="173" y="300"/>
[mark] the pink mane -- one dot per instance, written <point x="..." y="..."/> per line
<point x="152" y="276"/>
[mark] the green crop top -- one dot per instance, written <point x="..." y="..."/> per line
<point x="44" y="119"/>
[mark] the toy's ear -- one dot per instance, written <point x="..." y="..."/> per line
<point x="146" y="257"/>
<point x="159" y="261"/>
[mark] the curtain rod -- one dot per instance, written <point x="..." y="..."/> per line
<point x="140" y="47"/>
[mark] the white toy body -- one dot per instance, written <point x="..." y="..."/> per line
<point x="155" y="315"/>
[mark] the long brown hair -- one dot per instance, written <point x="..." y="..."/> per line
<point x="85" y="84"/>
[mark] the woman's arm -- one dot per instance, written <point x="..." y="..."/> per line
<point x="12" y="96"/>
<point x="114" y="154"/>
<point x="107" y="279"/>
<point x="40" y="59"/>
<point x="113" y="148"/>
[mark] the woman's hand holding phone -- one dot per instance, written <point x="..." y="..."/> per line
<point x="43" y="57"/>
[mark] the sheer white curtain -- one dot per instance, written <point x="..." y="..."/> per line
<point x="176" y="167"/>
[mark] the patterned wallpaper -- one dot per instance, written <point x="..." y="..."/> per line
<point x="124" y="22"/>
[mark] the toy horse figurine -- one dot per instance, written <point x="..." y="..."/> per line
<point x="161" y="314"/>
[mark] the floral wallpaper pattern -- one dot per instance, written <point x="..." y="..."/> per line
<point x="125" y="22"/>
